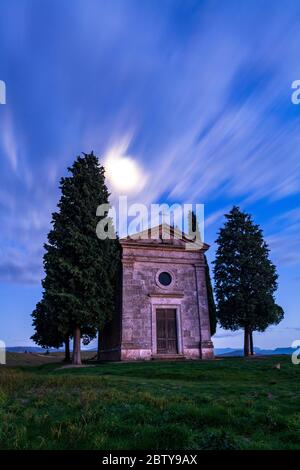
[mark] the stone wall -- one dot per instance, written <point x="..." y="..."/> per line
<point x="141" y="295"/>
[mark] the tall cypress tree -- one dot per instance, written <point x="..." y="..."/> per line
<point x="245" y="278"/>
<point x="80" y="268"/>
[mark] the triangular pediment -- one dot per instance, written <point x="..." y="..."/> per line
<point x="166" y="235"/>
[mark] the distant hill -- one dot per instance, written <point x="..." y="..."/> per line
<point x="31" y="349"/>
<point x="223" y="351"/>
<point x="37" y="349"/>
<point x="258" y="351"/>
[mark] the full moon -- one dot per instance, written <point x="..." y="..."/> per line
<point x="124" y="173"/>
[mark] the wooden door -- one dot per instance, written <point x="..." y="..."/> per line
<point x="166" y="331"/>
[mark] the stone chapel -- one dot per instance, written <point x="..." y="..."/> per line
<point x="163" y="311"/>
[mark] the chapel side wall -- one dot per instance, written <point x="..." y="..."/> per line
<point x="110" y="337"/>
<point x="110" y="343"/>
<point x="206" y="345"/>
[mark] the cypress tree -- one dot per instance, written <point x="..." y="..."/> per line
<point x="80" y="268"/>
<point x="245" y="278"/>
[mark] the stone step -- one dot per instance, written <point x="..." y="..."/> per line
<point x="168" y="357"/>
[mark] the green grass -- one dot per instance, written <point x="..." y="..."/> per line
<point x="224" y="404"/>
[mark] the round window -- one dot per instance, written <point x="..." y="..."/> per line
<point x="165" y="278"/>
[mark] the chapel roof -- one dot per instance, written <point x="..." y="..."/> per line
<point x="164" y="234"/>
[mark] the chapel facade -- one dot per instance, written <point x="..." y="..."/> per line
<point x="163" y="311"/>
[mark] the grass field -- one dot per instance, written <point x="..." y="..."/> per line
<point x="228" y="403"/>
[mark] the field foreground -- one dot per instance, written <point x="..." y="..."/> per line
<point x="229" y="403"/>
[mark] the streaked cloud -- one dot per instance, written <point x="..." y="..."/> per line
<point x="9" y="142"/>
<point x="200" y="90"/>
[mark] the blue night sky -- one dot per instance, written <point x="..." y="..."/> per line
<point x="198" y="93"/>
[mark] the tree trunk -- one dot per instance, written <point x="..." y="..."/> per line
<point x="99" y="346"/>
<point x="251" y="343"/>
<point x="67" y="350"/>
<point x="76" y="347"/>
<point x="246" y="342"/>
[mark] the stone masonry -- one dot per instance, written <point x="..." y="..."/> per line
<point x="132" y="335"/>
